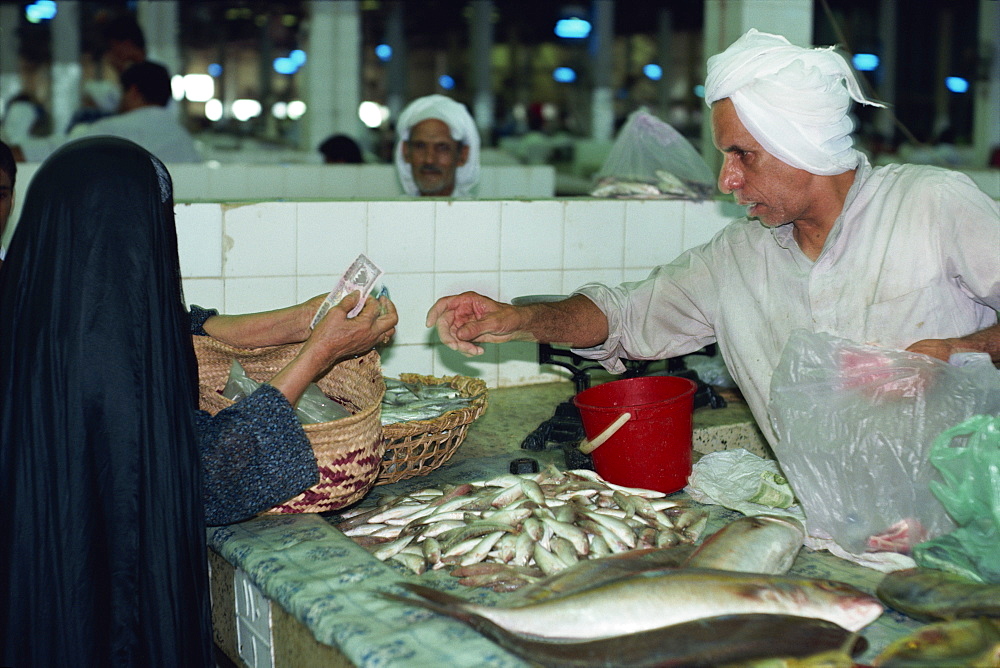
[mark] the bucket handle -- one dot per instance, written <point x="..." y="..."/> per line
<point x="586" y="447"/>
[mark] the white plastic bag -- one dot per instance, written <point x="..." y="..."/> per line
<point x="855" y="425"/>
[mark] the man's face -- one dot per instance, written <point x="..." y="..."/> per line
<point x="434" y="156"/>
<point x="6" y="199"/>
<point x="773" y="191"/>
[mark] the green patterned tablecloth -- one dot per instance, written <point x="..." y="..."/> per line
<point x="331" y="585"/>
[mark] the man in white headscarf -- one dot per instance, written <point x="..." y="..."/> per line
<point x="901" y="256"/>
<point x="437" y="154"/>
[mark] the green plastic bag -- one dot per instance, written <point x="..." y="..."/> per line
<point x="971" y="495"/>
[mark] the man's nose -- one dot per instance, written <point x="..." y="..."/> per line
<point x="730" y="178"/>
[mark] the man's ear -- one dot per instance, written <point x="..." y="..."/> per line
<point x="463" y="155"/>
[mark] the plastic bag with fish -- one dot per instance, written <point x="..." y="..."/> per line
<point x="855" y="425"/>
<point x="650" y="159"/>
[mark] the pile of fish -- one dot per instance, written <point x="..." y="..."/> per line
<point x="404" y="401"/>
<point x="515" y="529"/>
<point x="665" y="185"/>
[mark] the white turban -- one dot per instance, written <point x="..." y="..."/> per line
<point x="462" y="128"/>
<point x="793" y="100"/>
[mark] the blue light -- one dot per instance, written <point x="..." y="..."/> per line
<point x="215" y="70"/>
<point x="42" y="10"/>
<point x="298" y="56"/>
<point x="956" y="84"/>
<point x="564" y="74"/>
<point x="446" y="82"/>
<point x="865" y="62"/>
<point x="572" y="28"/>
<point x="653" y="71"/>
<point x="699" y="91"/>
<point x="285" y="66"/>
<point x="383" y="52"/>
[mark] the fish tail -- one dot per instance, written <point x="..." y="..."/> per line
<point x="441" y="598"/>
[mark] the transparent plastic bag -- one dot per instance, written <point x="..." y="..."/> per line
<point x="855" y="425"/>
<point x="650" y="159"/>
<point x="968" y="458"/>
<point x="312" y="407"/>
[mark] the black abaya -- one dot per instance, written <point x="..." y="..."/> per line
<point x="102" y="554"/>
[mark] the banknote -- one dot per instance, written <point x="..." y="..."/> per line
<point x="361" y="277"/>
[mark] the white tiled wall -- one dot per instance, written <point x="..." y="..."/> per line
<point x="253" y="257"/>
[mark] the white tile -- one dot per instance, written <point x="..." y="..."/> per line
<point x="413" y="295"/>
<point x="199" y="239"/>
<point x="654" y="231"/>
<point x="307" y="287"/>
<point x="702" y="220"/>
<point x="397" y="359"/>
<point x="448" y="362"/>
<point x="467" y="236"/>
<point x="531" y="235"/>
<point x="522" y="283"/>
<point x="250" y="295"/>
<point x="205" y="292"/>
<point x="594" y="234"/>
<point x="485" y="283"/>
<point x="330" y="235"/>
<point x="260" y="239"/>
<point x="401" y="235"/>
<point x="574" y="279"/>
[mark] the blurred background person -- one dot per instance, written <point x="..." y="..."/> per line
<point x="340" y="149"/>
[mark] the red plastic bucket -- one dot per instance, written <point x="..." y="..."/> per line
<point x="652" y="450"/>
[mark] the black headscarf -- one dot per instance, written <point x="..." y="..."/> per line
<point x="102" y="540"/>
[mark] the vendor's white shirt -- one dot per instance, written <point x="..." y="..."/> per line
<point x="914" y="255"/>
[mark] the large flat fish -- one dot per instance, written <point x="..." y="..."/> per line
<point x="597" y="572"/>
<point x="928" y="595"/>
<point x="660" y="598"/>
<point x="757" y="544"/>
<point x="962" y="642"/>
<point x="712" y="641"/>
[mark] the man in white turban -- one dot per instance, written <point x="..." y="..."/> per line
<point x="437" y="154"/>
<point x="901" y="256"/>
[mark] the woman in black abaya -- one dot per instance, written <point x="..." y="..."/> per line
<point x="102" y="553"/>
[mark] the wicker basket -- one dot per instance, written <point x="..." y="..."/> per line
<point x="348" y="451"/>
<point x="417" y="447"/>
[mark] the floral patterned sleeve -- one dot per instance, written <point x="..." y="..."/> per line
<point x="254" y="454"/>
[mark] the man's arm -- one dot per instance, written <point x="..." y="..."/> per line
<point x="468" y="319"/>
<point x="984" y="341"/>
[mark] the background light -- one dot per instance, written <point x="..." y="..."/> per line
<point x="653" y="71"/>
<point x="699" y="91"/>
<point x="244" y="110"/>
<point x="285" y="66"/>
<point x="213" y="110"/>
<point x="446" y="82"/>
<point x="43" y="10"/>
<point x="296" y="109"/>
<point x="383" y="52"/>
<point x="957" y="84"/>
<point x="572" y="28"/>
<point x="865" y="62"/>
<point x="298" y="56"/>
<point x="564" y="74"/>
<point x="373" y="114"/>
<point x="199" y="87"/>
<point x="214" y="70"/>
<point x="280" y="110"/>
<point x="177" y="87"/>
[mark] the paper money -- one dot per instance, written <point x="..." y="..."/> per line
<point x="361" y="277"/>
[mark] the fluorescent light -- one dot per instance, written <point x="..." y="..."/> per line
<point x="572" y="28"/>
<point x="865" y="62"/>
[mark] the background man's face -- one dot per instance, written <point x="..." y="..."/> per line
<point x="434" y="157"/>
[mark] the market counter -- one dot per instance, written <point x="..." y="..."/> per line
<point x="293" y="591"/>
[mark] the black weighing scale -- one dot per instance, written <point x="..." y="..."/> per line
<point x="564" y="430"/>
